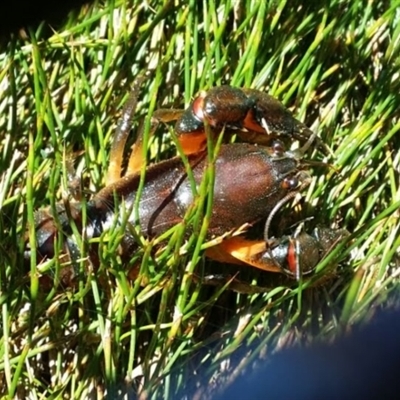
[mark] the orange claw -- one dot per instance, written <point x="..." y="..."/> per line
<point x="254" y="116"/>
<point x="238" y="250"/>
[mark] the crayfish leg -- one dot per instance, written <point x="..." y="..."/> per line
<point x="242" y="251"/>
<point x="137" y="159"/>
<point x="166" y="115"/>
<point x="121" y="134"/>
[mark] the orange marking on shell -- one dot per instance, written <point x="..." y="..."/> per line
<point x="292" y="258"/>
<point x="251" y="124"/>
<point x="193" y="142"/>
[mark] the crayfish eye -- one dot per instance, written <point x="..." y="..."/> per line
<point x="290" y="183"/>
<point x="278" y="148"/>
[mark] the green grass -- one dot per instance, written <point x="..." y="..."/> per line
<point x="335" y="66"/>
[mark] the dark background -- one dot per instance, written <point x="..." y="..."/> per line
<point x="17" y="14"/>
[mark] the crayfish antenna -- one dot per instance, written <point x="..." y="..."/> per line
<point x="272" y="214"/>
<point x="305" y="180"/>
<point x="305" y="131"/>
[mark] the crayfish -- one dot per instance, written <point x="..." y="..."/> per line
<point x="252" y="181"/>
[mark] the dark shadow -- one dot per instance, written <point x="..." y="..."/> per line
<point x="18" y="14"/>
<point x="363" y="365"/>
